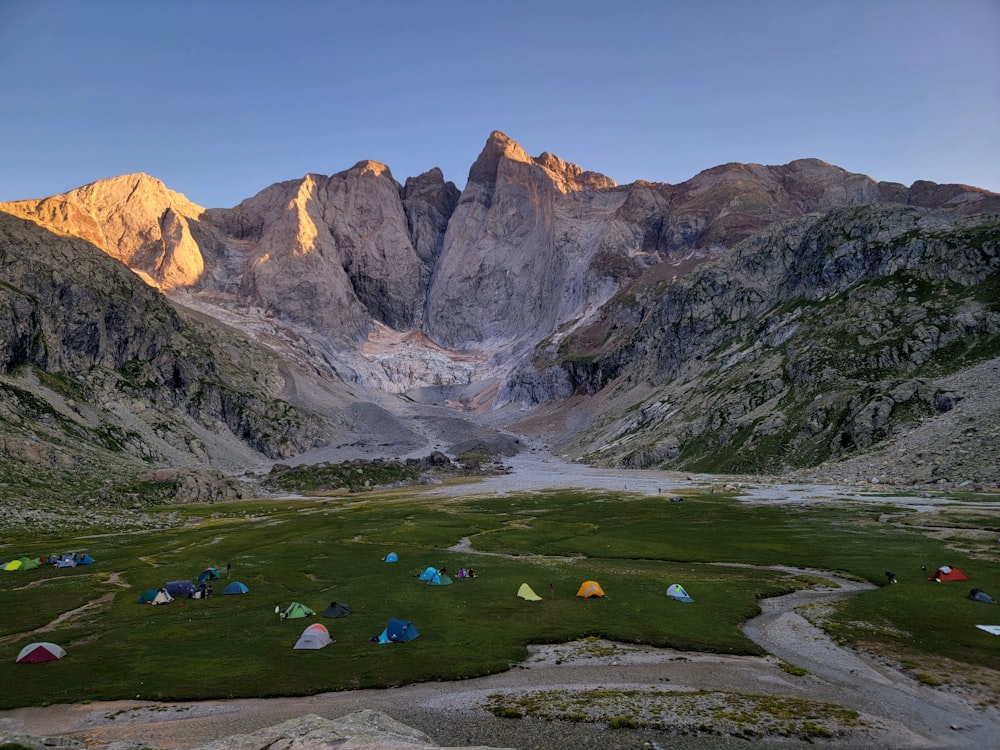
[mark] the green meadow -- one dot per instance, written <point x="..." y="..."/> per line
<point x="320" y="550"/>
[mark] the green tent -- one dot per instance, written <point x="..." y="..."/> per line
<point x="29" y="563"/>
<point x="296" y="610"/>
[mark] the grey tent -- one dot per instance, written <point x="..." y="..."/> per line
<point x="337" y="609"/>
<point x="981" y="596"/>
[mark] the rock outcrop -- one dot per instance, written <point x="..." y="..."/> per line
<point x="815" y="339"/>
<point x="361" y="730"/>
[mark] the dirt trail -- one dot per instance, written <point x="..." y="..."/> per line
<point x="935" y="716"/>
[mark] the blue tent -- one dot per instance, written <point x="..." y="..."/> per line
<point x="208" y="574"/>
<point x="391" y="557"/>
<point x="398" y="631"/>
<point x="178" y="589"/>
<point x="428" y="574"/>
<point x="236" y="588"/>
<point x="84" y="559"/>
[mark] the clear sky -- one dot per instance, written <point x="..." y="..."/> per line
<point x="221" y="98"/>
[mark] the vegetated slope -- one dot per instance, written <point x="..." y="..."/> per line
<point x="820" y="338"/>
<point x="102" y="379"/>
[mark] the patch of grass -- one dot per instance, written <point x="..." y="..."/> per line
<point x="792" y="669"/>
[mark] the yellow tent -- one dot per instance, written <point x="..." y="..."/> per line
<point x="13" y="565"/>
<point x="527" y="594"/>
<point x="590" y="588"/>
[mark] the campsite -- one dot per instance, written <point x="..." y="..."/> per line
<point x="316" y="551"/>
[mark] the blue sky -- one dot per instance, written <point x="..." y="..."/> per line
<point x="221" y="99"/>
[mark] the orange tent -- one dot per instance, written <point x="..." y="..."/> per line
<point x="948" y="573"/>
<point x="590" y="588"/>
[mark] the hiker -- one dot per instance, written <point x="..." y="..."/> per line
<point x="208" y="592"/>
<point x="229" y="568"/>
<point x="890" y="576"/>
<point x="470" y="573"/>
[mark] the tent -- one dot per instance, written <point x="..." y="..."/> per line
<point x="590" y="588"/>
<point x="313" y="637"/>
<point x="337" y="610"/>
<point x="527" y="594"/>
<point x="84" y="559"/>
<point x="36" y="653"/>
<point x="676" y="591"/>
<point x="991" y="629"/>
<point x="13" y="565"/>
<point x="179" y="589"/>
<point x="29" y="563"/>
<point x="398" y="631"/>
<point x="236" y="588"/>
<point x="391" y="557"/>
<point x="66" y="562"/>
<point x="981" y="596"/>
<point x="296" y="610"/>
<point x="155" y="596"/>
<point x="208" y="574"/>
<point x="427" y="574"/>
<point x="440" y="579"/>
<point x="948" y="573"/>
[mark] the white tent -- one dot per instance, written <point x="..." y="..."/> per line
<point x="313" y="637"/>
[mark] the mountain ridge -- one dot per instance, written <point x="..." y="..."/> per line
<point x="541" y="288"/>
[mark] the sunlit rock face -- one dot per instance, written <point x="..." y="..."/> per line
<point x="133" y="218"/>
<point x="518" y="251"/>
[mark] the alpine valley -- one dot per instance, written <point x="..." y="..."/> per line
<point x="794" y="320"/>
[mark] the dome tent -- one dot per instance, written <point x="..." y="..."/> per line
<point x="316" y="636"/>
<point x="948" y="573"/>
<point x="236" y="588"/>
<point x="337" y="609"/>
<point x="398" y="631"/>
<point x="296" y="610"/>
<point x="677" y="593"/>
<point x="36" y="653"/>
<point x="526" y="593"/>
<point x="589" y="589"/>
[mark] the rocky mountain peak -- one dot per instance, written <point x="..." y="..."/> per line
<point x="134" y="218"/>
<point x="569" y="176"/>
<point x="369" y="168"/>
<point x="498" y="147"/>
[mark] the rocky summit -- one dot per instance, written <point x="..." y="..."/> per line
<point x="782" y="319"/>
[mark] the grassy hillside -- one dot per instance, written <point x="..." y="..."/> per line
<point x="318" y="551"/>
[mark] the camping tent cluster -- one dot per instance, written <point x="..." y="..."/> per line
<point x="65" y="560"/>
<point x="948" y="573"/>
<point x="590" y="589"/>
<point x="435" y="577"/>
<point x="186" y="589"/>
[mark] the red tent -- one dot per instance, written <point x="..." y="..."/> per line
<point x="35" y="653"/>
<point x="948" y="573"/>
